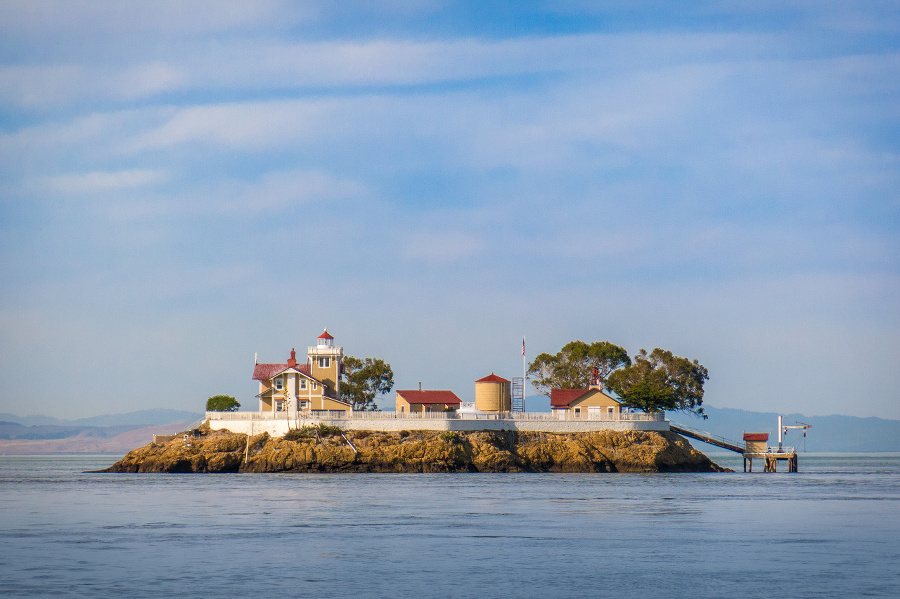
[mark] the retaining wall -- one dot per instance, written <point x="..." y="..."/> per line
<point x="278" y="428"/>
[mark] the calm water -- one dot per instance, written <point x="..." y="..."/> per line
<point x="832" y="530"/>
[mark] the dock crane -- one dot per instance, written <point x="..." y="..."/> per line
<point x="783" y="429"/>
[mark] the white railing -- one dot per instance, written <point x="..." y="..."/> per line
<point x="324" y="350"/>
<point x="518" y="416"/>
<point x="247" y="415"/>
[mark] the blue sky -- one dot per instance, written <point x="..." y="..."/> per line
<point x="183" y="185"/>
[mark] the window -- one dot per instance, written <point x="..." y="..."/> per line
<point x="315" y="385"/>
<point x="303" y="383"/>
<point x="324" y="362"/>
<point x="279" y="383"/>
<point x="279" y="405"/>
<point x="303" y="405"/>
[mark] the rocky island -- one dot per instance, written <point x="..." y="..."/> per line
<point x="328" y="449"/>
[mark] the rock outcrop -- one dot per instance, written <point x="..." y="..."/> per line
<point x="328" y="450"/>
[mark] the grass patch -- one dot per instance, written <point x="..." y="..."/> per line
<point x="311" y="432"/>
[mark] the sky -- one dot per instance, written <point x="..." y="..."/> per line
<point x="187" y="185"/>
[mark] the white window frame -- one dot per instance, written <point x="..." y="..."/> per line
<point x="303" y="384"/>
<point x="324" y="362"/>
<point x="279" y="383"/>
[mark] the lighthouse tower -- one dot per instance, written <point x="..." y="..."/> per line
<point x="325" y="363"/>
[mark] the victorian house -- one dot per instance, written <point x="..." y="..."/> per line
<point x="310" y="387"/>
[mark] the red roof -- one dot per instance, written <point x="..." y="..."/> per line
<point x="561" y="398"/>
<point x="756" y="436"/>
<point x="430" y="397"/>
<point x="263" y="372"/>
<point x="492" y="378"/>
<point x="325" y="335"/>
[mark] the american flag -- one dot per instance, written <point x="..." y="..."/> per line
<point x="523" y="346"/>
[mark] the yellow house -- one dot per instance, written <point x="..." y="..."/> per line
<point x="305" y="388"/>
<point x="426" y="401"/>
<point x="590" y="403"/>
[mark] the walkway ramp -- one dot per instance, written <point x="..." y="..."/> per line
<point x="693" y="433"/>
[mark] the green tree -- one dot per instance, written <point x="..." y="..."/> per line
<point x="222" y="403"/>
<point x="363" y="380"/>
<point x="572" y="366"/>
<point x="661" y="381"/>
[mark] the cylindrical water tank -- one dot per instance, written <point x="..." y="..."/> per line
<point x="492" y="394"/>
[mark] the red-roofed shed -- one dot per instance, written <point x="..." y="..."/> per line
<point x="426" y="401"/>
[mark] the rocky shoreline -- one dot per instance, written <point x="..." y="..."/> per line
<point x="327" y="449"/>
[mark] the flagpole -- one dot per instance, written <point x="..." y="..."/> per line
<point x="524" y="373"/>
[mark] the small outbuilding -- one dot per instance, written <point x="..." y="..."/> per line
<point x="418" y="401"/>
<point x="756" y="443"/>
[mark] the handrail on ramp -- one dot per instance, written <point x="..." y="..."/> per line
<point x="706" y="437"/>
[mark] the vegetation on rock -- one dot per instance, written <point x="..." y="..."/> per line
<point x="661" y="381"/>
<point x="653" y="382"/>
<point x="573" y="366"/>
<point x="222" y="403"/>
<point x="363" y="380"/>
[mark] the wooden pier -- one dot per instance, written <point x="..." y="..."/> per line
<point x="754" y="446"/>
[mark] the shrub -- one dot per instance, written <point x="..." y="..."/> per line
<point x="328" y="431"/>
<point x="222" y="403"/>
<point x="450" y="436"/>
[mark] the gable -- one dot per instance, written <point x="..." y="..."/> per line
<point x="595" y="398"/>
<point x="265" y="372"/>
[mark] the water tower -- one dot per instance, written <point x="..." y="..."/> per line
<point x="493" y="394"/>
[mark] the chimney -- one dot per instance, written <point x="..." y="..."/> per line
<point x="420" y="385"/>
<point x="292" y="361"/>
<point x="595" y="380"/>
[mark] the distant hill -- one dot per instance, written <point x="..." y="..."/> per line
<point x="828" y="433"/>
<point x="134" y="419"/>
<point x="109" y="433"/>
<point x="90" y="440"/>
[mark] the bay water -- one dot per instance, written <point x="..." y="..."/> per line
<point x="831" y="530"/>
